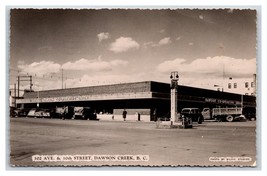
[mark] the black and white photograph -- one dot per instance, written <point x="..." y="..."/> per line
<point x="159" y="87"/>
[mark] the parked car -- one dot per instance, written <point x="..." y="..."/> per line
<point x="39" y="113"/>
<point x="193" y="113"/>
<point x="20" y="112"/>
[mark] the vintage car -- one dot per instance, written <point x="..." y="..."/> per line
<point x="193" y="113"/>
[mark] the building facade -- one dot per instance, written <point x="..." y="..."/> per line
<point x="245" y="86"/>
<point x="144" y="97"/>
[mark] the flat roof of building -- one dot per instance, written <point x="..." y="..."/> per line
<point x="136" y="90"/>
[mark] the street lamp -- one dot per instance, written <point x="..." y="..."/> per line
<point x="174" y="95"/>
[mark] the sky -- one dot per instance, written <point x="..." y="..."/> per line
<point x="98" y="47"/>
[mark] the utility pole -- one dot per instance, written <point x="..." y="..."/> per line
<point x="15" y="98"/>
<point x="174" y="95"/>
<point x="18" y="84"/>
<point x="62" y="77"/>
<point x="221" y="46"/>
<point x="27" y="78"/>
<point x="30" y="83"/>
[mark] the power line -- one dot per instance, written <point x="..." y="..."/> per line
<point x="45" y="77"/>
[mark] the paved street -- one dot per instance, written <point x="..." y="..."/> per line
<point x="169" y="147"/>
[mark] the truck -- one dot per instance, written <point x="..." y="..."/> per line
<point x="84" y="113"/>
<point x="65" y="112"/>
<point x="223" y="114"/>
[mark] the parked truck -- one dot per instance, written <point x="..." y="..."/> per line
<point x="65" y="112"/>
<point x="223" y="114"/>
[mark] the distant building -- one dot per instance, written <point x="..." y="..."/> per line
<point x="244" y="86"/>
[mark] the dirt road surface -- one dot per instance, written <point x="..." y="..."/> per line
<point x="125" y="143"/>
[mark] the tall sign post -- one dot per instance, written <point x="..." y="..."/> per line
<point x="174" y="95"/>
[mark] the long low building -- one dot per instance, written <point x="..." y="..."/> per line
<point x="141" y="97"/>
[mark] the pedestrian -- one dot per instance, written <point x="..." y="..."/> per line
<point x="64" y="112"/>
<point x="138" y="116"/>
<point x="155" y="114"/>
<point x="124" y="113"/>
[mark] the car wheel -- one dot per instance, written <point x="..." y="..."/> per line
<point x="199" y="120"/>
<point x="229" y="118"/>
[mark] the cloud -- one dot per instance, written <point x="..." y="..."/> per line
<point x="123" y="44"/>
<point x="39" y="68"/>
<point x="211" y="67"/>
<point x="190" y="43"/>
<point x="148" y="44"/>
<point x="44" y="78"/>
<point x="103" y="36"/>
<point x="118" y="62"/>
<point x="164" y="41"/>
<point x="93" y="65"/>
<point x="205" y="73"/>
<point x="48" y="84"/>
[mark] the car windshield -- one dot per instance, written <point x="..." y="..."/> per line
<point x="186" y="111"/>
